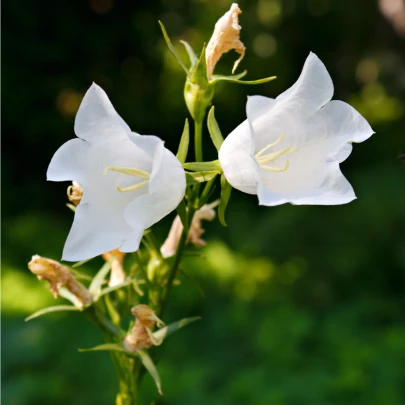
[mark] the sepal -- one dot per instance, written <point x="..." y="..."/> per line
<point x="184" y="142"/>
<point x="214" y="130"/>
<point x="56" y="308"/>
<point x="226" y="190"/>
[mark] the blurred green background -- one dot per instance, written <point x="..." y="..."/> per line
<point x="302" y="305"/>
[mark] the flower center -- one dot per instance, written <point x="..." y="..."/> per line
<point x="131" y="172"/>
<point x="263" y="159"/>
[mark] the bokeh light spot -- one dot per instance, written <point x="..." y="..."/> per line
<point x="264" y="45"/>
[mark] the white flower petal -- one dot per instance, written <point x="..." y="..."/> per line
<point x="97" y="118"/>
<point x="312" y="90"/>
<point x="69" y="162"/>
<point x="166" y="190"/>
<point x="240" y="168"/>
<point x="95" y="230"/>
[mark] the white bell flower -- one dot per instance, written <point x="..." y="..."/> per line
<point x="289" y="148"/>
<point x="129" y="181"/>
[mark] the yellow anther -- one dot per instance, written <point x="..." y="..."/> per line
<point x="134" y="187"/>
<point x="131" y="171"/>
<point x="270" y="145"/>
<point x="277" y="169"/>
<point x="270" y="157"/>
<point x="128" y="170"/>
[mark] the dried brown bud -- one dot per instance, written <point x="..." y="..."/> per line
<point x="58" y="275"/>
<point x="206" y="212"/>
<point x="75" y="193"/>
<point x="225" y="37"/>
<point x="117" y="275"/>
<point x="141" y="336"/>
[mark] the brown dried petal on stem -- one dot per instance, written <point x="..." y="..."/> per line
<point x="206" y="212"/>
<point x="58" y="276"/>
<point x="141" y="336"/>
<point x="226" y="37"/>
<point x="75" y="193"/>
<point x="117" y="275"/>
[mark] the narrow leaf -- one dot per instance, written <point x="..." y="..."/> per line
<point x="202" y="177"/>
<point x="249" y="82"/>
<point x="182" y="213"/>
<point x="150" y="366"/>
<point x="190" y="180"/>
<point x="216" y="78"/>
<point x="199" y="75"/>
<point x="172" y="49"/>
<point x="203" y="166"/>
<point x="193" y="57"/>
<point x="98" y="280"/>
<point x="78" y="264"/>
<point x="65" y="293"/>
<point x="109" y="290"/>
<point x="56" y="308"/>
<point x="109" y="347"/>
<point x="226" y="189"/>
<point x="163" y="333"/>
<point x="184" y="141"/>
<point x="214" y="130"/>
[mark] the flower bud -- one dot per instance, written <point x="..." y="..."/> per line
<point x="206" y="212"/>
<point x="198" y="96"/>
<point x="75" y="193"/>
<point x="225" y="37"/>
<point x="117" y="275"/>
<point x="141" y="336"/>
<point x="58" y="276"/>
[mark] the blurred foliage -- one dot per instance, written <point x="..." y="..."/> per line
<point x="301" y="305"/>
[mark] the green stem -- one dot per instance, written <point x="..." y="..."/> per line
<point x="129" y="385"/>
<point x="198" y="129"/>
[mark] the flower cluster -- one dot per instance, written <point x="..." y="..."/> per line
<point x="288" y="150"/>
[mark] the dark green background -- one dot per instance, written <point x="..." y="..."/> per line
<point x="303" y="305"/>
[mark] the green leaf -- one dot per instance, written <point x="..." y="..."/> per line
<point x="150" y="366"/>
<point x="110" y="347"/>
<point x="203" y="166"/>
<point x="56" y="308"/>
<point x="163" y="333"/>
<point x="214" y="130"/>
<point x="182" y="213"/>
<point x="249" y="82"/>
<point x="109" y="290"/>
<point x="184" y="141"/>
<point x="202" y="177"/>
<point x="98" y="280"/>
<point x="190" y="180"/>
<point x="172" y="49"/>
<point x="142" y="354"/>
<point x="226" y="189"/>
<point x="65" y="293"/>
<point x="199" y="74"/>
<point x="193" y="57"/>
<point x="217" y="78"/>
<point x="78" y="264"/>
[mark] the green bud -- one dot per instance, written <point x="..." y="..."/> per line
<point x="198" y="91"/>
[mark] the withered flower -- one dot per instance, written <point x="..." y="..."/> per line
<point x="206" y="212"/>
<point x="141" y="336"/>
<point x="226" y="37"/>
<point x="75" y="193"/>
<point x="117" y="275"/>
<point x="58" y="276"/>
